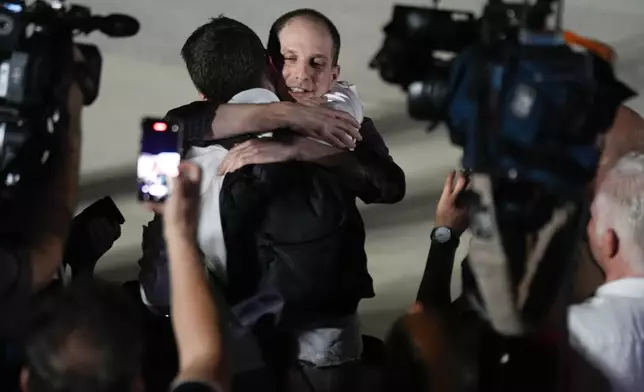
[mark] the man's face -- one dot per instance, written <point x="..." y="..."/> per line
<point x="307" y="49"/>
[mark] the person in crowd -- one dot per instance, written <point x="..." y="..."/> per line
<point x="34" y="235"/>
<point x="608" y="327"/>
<point x="195" y="314"/>
<point x="625" y="135"/>
<point x="87" y="337"/>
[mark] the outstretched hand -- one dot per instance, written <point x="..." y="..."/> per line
<point x="181" y="210"/>
<point x="449" y="212"/>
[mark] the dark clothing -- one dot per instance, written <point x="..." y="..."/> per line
<point x="15" y="290"/>
<point x="435" y="284"/>
<point x="350" y="377"/>
<point x="292" y="226"/>
<point x="380" y="179"/>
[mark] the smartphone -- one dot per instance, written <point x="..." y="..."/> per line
<point x="159" y="158"/>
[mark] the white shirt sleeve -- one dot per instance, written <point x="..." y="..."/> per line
<point x="344" y="96"/>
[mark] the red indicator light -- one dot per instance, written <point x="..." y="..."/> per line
<point x="160" y="127"/>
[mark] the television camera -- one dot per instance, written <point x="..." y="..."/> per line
<point x="527" y="109"/>
<point x="36" y="68"/>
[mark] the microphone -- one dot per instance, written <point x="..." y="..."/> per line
<point x="117" y="25"/>
<point x="114" y="25"/>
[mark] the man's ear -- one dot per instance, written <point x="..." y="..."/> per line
<point x="609" y="244"/>
<point x="24" y="379"/>
<point x="203" y="97"/>
<point x="335" y="73"/>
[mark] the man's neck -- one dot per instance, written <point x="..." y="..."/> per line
<point x="618" y="268"/>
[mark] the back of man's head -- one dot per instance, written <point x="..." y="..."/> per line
<point x="225" y="57"/>
<point x="619" y="206"/>
<point x="86" y="338"/>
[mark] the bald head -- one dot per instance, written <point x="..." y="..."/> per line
<point x="617" y="224"/>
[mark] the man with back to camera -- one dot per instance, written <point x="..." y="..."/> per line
<point x="608" y="327"/>
<point x="321" y="278"/>
<point x="87" y="337"/>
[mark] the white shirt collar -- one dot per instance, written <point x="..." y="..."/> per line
<point x="626" y="287"/>
<point x="255" y="95"/>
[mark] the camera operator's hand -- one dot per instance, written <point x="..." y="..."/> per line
<point x="449" y="211"/>
<point x="193" y="311"/>
<point x="181" y="210"/>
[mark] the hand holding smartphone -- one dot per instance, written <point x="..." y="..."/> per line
<point x="159" y="158"/>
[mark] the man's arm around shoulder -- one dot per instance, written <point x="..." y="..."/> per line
<point x="369" y="170"/>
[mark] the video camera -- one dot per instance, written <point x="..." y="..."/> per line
<point x="36" y="57"/>
<point x="527" y="108"/>
<point x="524" y="105"/>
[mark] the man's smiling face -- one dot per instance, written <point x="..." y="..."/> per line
<point x="307" y="48"/>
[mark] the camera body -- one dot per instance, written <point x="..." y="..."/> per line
<point x="526" y="107"/>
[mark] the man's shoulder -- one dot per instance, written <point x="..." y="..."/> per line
<point x="603" y="319"/>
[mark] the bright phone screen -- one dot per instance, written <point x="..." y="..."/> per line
<point x="158" y="160"/>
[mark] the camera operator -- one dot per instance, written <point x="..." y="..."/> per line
<point x="34" y="236"/>
<point x="87" y="337"/>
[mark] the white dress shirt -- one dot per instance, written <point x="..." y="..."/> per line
<point x="608" y="330"/>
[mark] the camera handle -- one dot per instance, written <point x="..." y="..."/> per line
<point x="506" y="286"/>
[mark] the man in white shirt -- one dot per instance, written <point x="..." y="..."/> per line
<point x="608" y="329"/>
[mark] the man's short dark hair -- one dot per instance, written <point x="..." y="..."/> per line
<point x="274" y="47"/>
<point x="85" y="338"/>
<point x="224" y="57"/>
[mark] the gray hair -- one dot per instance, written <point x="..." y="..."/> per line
<point x="619" y="205"/>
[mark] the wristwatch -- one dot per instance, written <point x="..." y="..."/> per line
<point x="441" y="234"/>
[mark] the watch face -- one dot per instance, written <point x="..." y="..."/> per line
<point x="442" y="234"/>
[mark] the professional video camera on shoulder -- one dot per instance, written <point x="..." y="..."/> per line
<point x="36" y="56"/>
<point x="520" y="101"/>
<point x="527" y="109"/>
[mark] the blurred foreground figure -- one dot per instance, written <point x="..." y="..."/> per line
<point x="85" y="339"/>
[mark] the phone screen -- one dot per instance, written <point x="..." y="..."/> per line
<point x="159" y="158"/>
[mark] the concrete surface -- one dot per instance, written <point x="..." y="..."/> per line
<point x="145" y="76"/>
